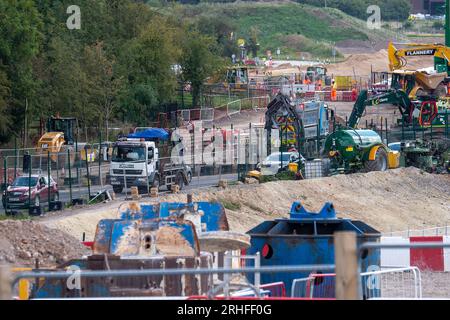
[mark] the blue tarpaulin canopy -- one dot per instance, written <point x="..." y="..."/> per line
<point x="150" y="134"/>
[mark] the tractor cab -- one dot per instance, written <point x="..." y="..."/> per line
<point x="64" y="125"/>
<point x="237" y="76"/>
<point x="315" y="73"/>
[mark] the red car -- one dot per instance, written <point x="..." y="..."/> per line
<point x="16" y="195"/>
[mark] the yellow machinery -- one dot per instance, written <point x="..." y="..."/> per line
<point x="238" y="77"/>
<point x="58" y="139"/>
<point x="425" y="83"/>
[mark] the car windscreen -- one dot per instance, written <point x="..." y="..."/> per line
<point x="128" y="153"/>
<point x="23" y="182"/>
<point x="276" y="157"/>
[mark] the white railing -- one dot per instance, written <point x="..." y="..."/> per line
<point x="398" y="283"/>
<point x="433" y="231"/>
<point x="230" y="257"/>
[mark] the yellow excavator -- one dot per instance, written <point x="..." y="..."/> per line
<point x="426" y="84"/>
<point x="58" y="139"/>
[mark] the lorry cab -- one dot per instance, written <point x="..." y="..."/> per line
<point x="143" y="160"/>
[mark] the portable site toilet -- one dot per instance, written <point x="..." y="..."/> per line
<point x="306" y="238"/>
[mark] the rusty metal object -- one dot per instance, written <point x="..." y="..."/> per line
<point x="136" y="286"/>
<point x="220" y="241"/>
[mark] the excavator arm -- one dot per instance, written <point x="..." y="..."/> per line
<point x="393" y="96"/>
<point x="281" y="105"/>
<point x="397" y="57"/>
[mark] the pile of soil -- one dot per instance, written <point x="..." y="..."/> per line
<point x="362" y="64"/>
<point x="22" y="242"/>
<point x="388" y="201"/>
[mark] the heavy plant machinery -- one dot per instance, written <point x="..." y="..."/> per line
<point x="317" y="72"/>
<point x="425" y="83"/>
<point x="149" y="237"/>
<point x="424" y="112"/>
<point x="431" y="156"/>
<point x="351" y="149"/>
<point x="303" y="124"/>
<point x="60" y="137"/>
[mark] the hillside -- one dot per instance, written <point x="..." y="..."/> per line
<point x="295" y="28"/>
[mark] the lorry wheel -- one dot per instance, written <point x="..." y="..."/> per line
<point x="180" y="180"/>
<point x="421" y="93"/>
<point x="156" y="182"/>
<point x="380" y="163"/>
<point x="142" y="190"/>
<point x="440" y="91"/>
<point x="117" y="189"/>
<point x="189" y="177"/>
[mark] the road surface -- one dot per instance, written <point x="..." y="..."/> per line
<point x="82" y="192"/>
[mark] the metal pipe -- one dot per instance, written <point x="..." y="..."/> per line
<point x="419" y="245"/>
<point x="87" y="173"/>
<point x="70" y="176"/>
<point x="100" y="159"/>
<point x="171" y="272"/>
<point x="29" y="187"/>
<point x="15" y="157"/>
<point x="48" y="178"/>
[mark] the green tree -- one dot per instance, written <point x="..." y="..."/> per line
<point x="5" y="120"/>
<point x="253" y="44"/>
<point x="20" y="39"/>
<point x="198" y="61"/>
<point x="148" y="63"/>
<point x="104" y="83"/>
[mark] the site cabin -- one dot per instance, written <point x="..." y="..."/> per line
<point x="143" y="160"/>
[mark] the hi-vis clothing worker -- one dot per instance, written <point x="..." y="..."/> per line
<point x="333" y="90"/>
<point x="319" y="85"/>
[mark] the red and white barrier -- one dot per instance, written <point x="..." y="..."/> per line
<point x="433" y="259"/>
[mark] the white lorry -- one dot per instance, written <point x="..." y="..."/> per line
<point x="144" y="161"/>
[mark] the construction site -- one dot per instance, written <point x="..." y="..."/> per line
<point x="287" y="180"/>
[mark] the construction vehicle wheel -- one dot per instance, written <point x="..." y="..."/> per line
<point x="156" y="182"/>
<point x="180" y="180"/>
<point x="440" y="91"/>
<point x="421" y="93"/>
<point x="380" y="163"/>
<point x="117" y="189"/>
<point x="142" y="190"/>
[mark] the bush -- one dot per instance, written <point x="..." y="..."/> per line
<point x="407" y="25"/>
<point x="438" y="25"/>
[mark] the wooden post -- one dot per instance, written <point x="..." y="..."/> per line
<point x="5" y="283"/>
<point x="346" y="261"/>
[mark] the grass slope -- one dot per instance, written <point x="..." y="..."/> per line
<point x="295" y="28"/>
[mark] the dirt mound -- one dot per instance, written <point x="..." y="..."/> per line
<point x="22" y="242"/>
<point x="362" y="64"/>
<point x="391" y="200"/>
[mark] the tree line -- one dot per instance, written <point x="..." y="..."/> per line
<point x="120" y="65"/>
